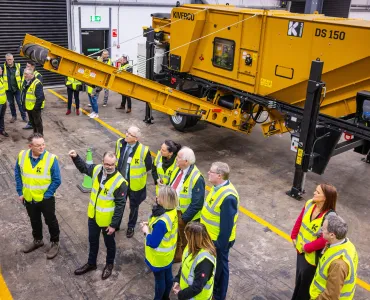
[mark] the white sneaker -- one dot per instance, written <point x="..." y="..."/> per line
<point x="105" y="104"/>
<point x="95" y="116"/>
<point x="92" y="115"/>
<point x="89" y="105"/>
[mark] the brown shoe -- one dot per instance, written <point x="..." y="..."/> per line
<point x="53" y="250"/>
<point x="13" y="120"/>
<point x="107" y="271"/>
<point x="84" y="269"/>
<point x="128" y="111"/>
<point x="33" y="246"/>
<point x="120" y="107"/>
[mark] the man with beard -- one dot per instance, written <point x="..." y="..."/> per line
<point x="105" y="210"/>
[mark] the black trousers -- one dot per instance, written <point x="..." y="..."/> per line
<point x="47" y="208"/>
<point x="109" y="241"/>
<point x="123" y="102"/>
<point x="2" y="116"/>
<point x="35" y="119"/>
<point x="76" y="94"/>
<point x="303" y="278"/>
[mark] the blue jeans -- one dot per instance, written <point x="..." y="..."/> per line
<point x="94" y="102"/>
<point x="222" y="273"/>
<point x="10" y="95"/>
<point x="163" y="284"/>
<point x="109" y="241"/>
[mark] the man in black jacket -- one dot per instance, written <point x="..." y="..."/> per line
<point x="34" y="99"/>
<point x="106" y="207"/>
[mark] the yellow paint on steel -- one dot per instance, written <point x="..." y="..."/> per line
<point x="245" y="211"/>
<point x="4" y="291"/>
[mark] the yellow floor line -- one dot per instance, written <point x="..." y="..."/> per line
<point x="248" y="213"/>
<point x="4" y="291"/>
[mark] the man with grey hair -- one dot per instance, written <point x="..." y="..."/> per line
<point x="105" y="210"/>
<point x="219" y="215"/>
<point x="12" y="77"/>
<point x="133" y="161"/>
<point x="189" y="185"/>
<point x="34" y="99"/>
<point x="336" y="273"/>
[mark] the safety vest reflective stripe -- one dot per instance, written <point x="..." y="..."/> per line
<point x="109" y="209"/>
<point x="73" y="82"/>
<point x="2" y="91"/>
<point x="30" y="95"/>
<point x="207" y="255"/>
<point x="189" y="191"/>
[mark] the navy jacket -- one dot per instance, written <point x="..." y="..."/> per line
<point x="56" y="179"/>
<point x="197" y="196"/>
<point x="135" y="196"/>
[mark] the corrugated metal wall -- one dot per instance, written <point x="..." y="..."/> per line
<point x="332" y="8"/>
<point x="46" y="19"/>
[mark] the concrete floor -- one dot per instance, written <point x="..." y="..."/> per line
<point x="262" y="264"/>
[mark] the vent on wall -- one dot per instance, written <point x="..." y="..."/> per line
<point x="331" y="8"/>
<point x="46" y="19"/>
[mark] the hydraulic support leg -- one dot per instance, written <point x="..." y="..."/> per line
<point x="149" y="33"/>
<point x="308" y="127"/>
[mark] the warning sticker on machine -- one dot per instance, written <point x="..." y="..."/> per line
<point x="299" y="157"/>
<point x="295" y="28"/>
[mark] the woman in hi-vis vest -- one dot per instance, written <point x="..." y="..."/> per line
<point x="160" y="241"/>
<point x="195" y="279"/>
<point x="164" y="163"/>
<point x="307" y="237"/>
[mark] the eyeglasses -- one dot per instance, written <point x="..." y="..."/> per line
<point x="130" y="134"/>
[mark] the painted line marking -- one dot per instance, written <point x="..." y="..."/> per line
<point x="245" y="211"/>
<point x="4" y="291"/>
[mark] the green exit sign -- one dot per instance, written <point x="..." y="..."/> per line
<point x="95" y="18"/>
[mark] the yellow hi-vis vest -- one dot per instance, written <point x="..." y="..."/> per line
<point x="73" y="82"/>
<point x="308" y="232"/>
<point x="35" y="180"/>
<point x="124" y="67"/>
<point x="101" y="205"/>
<point x="137" y="172"/>
<point x="210" y="213"/>
<point x="188" y="272"/>
<point x="187" y="189"/>
<point x="17" y="76"/>
<point x="109" y="62"/>
<point x="164" y="254"/>
<point x="164" y="176"/>
<point x="30" y="95"/>
<point x="2" y="91"/>
<point x="348" y="253"/>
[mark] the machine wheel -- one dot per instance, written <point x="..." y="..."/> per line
<point x="179" y="122"/>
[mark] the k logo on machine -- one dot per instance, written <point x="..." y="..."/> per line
<point x="314" y="227"/>
<point x="295" y="28"/>
<point x="38" y="170"/>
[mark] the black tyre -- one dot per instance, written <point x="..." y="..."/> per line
<point x="179" y="122"/>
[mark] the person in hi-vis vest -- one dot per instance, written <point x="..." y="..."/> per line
<point x="37" y="177"/>
<point x="164" y="163"/>
<point x="133" y="161"/>
<point x="74" y="87"/>
<point x="2" y="105"/>
<point x="195" y="279"/>
<point x="33" y="97"/>
<point x="189" y="185"/>
<point x="219" y="215"/>
<point x="308" y="239"/>
<point x="160" y="240"/>
<point x="336" y="272"/>
<point x="125" y="66"/>
<point x="105" y="59"/>
<point x="105" y="208"/>
<point x="12" y="78"/>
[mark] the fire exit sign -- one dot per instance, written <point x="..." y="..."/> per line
<point x="95" y="18"/>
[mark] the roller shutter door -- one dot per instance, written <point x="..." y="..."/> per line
<point x="46" y="19"/>
<point x="332" y="8"/>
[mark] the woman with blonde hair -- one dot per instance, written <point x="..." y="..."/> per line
<point x="160" y="240"/>
<point x="196" y="276"/>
